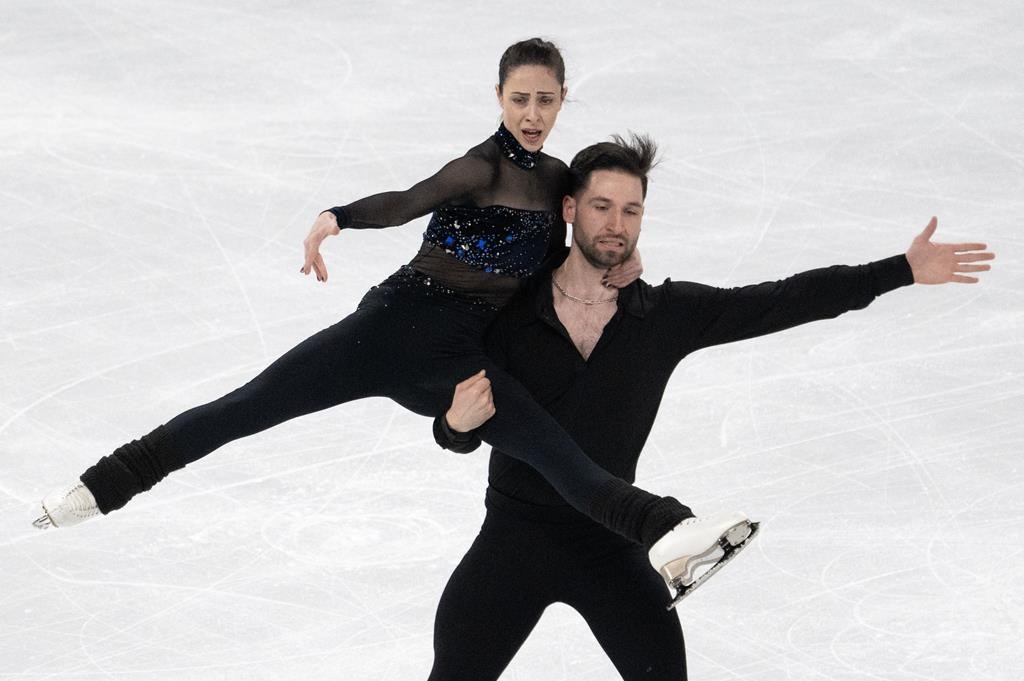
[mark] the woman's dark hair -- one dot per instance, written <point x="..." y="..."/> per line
<point x="532" y="52"/>
<point x="635" y="156"/>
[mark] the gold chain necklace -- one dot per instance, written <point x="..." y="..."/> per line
<point x="582" y="300"/>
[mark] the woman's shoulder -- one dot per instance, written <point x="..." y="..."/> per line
<point x="485" y="151"/>
<point x="485" y="162"/>
<point x="489" y="151"/>
<point x="552" y="161"/>
<point x="482" y="158"/>
<point x="552" y="165"/>
<point x="555" y="173"/>
<point x="477" y="166"/>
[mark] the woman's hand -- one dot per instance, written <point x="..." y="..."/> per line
<point x="625" y="273"/>
<point x="472" y="404"/>
<point x="326" y="225"/>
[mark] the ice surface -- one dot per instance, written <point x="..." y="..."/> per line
<point x="160" y="163"/>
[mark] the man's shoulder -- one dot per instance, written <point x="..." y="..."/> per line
<point x="669" y="292"/>
<point x="640" y="297"/>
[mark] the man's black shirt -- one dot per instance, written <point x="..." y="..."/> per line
<point x="608" y="403"/>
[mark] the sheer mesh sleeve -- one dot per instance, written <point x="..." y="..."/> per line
<point x="496" y="220"/>
<point x="456" y="182"/>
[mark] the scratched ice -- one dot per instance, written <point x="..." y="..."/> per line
<point x="161" y="162"/>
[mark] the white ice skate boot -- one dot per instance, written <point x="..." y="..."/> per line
<point x="696" y="543"/>
<point x="67" y="506"/>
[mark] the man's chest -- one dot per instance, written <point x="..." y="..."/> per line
<point x="556" y="357"/>
<point x="584" y="324"/>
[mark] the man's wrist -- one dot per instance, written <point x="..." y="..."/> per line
<point x="461" y="443"/>
<point x="891" y="273"/>
<point x="454" y="433"/>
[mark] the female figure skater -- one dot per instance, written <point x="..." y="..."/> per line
<point x="496" y="215"/>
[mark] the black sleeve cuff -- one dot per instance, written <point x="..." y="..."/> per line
<point x="341" y="215"/>
<point x="446" y="438"/>
<point x="891" y="274"/>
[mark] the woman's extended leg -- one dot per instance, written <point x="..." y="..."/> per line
<point x="336" y="365"/>
<point x="412" y="342"/>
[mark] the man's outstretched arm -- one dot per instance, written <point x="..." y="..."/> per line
<point x="710" y="316"/>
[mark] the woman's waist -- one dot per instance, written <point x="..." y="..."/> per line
<point x="446" y="270"/>
<point x="498" y="240"/>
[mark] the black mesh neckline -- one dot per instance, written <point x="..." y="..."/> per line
<point x="513" y="150"/>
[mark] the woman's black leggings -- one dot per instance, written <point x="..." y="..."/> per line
<point x="412" y="341"/>
<point x="529" y="557"/>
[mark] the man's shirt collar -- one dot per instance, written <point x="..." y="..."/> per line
<point x="631" y="298"/>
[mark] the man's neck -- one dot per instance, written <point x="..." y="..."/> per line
<point x="582" y="303"/>
<point x="578" y="278"/>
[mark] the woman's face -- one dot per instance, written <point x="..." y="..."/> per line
<point x="530" y="101"/>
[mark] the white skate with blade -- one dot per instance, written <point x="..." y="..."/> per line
<point x="67" y="506"/>
<point x="696" y="543"/>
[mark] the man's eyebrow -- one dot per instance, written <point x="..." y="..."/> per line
<point x="592" y="199"/>
<point x="539" y="92"/>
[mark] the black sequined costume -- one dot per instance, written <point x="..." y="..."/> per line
<point x="417" y="334"/>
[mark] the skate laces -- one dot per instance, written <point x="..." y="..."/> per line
<point x="79" y="501"/>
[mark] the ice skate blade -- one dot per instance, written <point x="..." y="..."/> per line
<point x="683" y="569"/>
<point x="43" y="522"/>
<point x="730" y="549"/>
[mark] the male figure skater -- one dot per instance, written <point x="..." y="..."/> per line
<point x="599" y="361"/>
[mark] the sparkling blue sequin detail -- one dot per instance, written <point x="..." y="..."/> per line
<point x="498" y="239"/>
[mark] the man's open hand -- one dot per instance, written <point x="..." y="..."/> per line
<point x="935" y="263"/>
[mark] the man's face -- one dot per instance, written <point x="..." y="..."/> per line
<point x="605" y="217"/>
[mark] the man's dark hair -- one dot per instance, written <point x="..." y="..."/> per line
<point x="635" y="156"/>
<point x="532" y="52"/>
